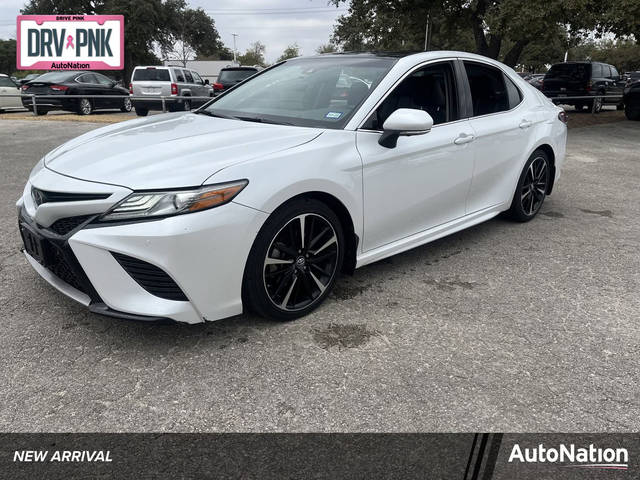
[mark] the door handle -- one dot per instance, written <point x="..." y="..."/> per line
<point x="464" y="138"/>
<point x="525" y="123"/>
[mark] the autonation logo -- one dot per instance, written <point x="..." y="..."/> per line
<point x="571" y="456"/>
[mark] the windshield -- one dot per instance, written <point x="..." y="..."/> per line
<point x="235" y="75"/>
<point x="152" y="75"/>
<point x="576" y="71"/>
<point x="312" y="92"/>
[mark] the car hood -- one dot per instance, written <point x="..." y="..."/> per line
<point x="172" y="150"/>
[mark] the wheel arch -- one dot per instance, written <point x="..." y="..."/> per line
<point x="346" y="221"/>
<point x="548" y="149"/>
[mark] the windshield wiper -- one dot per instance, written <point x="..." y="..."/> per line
<point x="264" y="120"/>
<point x="218" y="115"/>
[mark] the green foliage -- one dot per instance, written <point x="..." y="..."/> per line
<point x="254" y="55"/>
<point x="292" y="51"/>
<point x="327" y="48"/>
<point x="7" y="56"/>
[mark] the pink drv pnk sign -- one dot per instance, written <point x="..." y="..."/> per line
<point x="70" y="42"/>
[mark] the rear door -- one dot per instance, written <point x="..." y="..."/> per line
<point x="7" y="87"/>
<point x="503" y="125"/>
<point x="423" y="181"/>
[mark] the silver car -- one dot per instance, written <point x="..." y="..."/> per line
<point x="184" y="89"/>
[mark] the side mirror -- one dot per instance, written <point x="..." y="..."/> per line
<point x="206" y="81"/>
<point x="405" y="122"/>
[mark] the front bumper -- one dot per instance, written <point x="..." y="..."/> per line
<point x="204" y="253"/>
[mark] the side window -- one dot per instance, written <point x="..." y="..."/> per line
<point x="179" y="75"/>
<point x="596" y="70"/>
<point x="187" y="74"/>
<point x="431" y="89"/>
<point x="6" y="82"/>
<point x="87" y="78"/>
<point x="614" y="72"/>
<point x="488" y="89"/>
<point x="515" y="96"/>
<point x="102" y="80"/>
<point x="197" y="78"/>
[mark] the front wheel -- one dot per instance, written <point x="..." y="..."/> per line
<point x="596" y="105"/>
<point x="85" y="107"/>
<point x="532" y="188"/>
<point x="294" y="261"/>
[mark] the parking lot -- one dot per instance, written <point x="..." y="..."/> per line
<point x="502" y="327"/>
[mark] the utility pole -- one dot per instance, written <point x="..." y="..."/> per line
<point x="426" y="32"/>
<point x="234" y="47"/>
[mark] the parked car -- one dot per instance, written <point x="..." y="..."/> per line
<point x="183" y="87"/>
<point x="535" y="80"/>
<point x="28" y="78"/>
<point x="260" y="199"/>
<point x="9" y="87"/>
<point x="231" y="76"/>
<point x="598" y="80"/>
<point x="631" y="100"/>
<point x="632" y="77"/>
<point x="58" y="90"/>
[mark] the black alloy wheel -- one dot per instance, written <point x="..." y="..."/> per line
<point x="294" y="261"/>
<point x="532" y="187"/>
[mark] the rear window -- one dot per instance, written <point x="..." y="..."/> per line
<point x="152" y="75"/>
<point x="235" y="75"/>
<point x="575" y="71"/>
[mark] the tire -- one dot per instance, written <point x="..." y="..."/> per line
<point x="84" y="107"/>
<point x="532" y="188"/>
<point x="596" y="105"/>
<point x="286" y="276"/>
<point x="620" y="106"/>
<point x="142" y="112"/>
<point x="632" y="112"/>
<point x="126" y="105"/>
<point x="579" y="107"/>
<point x="41" y="112"/>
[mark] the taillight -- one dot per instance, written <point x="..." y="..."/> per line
<point x="563" y="117"/>
<point x="589" y="85"/>
<point x="217" y="86"/>
<point x="131" y="88"/>
<point x="174" y="89"/>
<point x="59" y="88"/>
<point x="25" y="87"/>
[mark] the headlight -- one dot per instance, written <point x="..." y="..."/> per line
<point x="140" y="205"/>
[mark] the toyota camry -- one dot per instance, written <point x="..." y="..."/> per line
<point x="313" y="167"/>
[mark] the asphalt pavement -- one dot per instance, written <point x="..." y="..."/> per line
<point x="502" y="327"/>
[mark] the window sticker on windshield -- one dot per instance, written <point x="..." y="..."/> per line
<point x="334" y="115"/>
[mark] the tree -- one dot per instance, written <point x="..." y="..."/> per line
<point x="7" y="56"/>
<point x="150" y="26"/>
<point x="327" y="48"/>
<point x="500" y="29"/>
<point x="292" y="51"/>
<point x="254" y="55"/>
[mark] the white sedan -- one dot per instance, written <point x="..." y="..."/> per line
<point x="8" y="92"/>
<point x="259" y="199"/>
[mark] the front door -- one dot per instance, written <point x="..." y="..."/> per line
<point x="422" y="182"/>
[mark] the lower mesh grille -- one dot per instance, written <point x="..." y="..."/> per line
<point x="153" y="279"/>
<point x="65" y="225"/>
<point x="61" y="269"/>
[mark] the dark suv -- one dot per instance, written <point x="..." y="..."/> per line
<point x="231" y="76"/>
<point x="584" y="79"/>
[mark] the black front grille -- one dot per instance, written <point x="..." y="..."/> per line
<point x="153" y="279"/>
<point x="66" y="225"/>
<point x="45" y="196"/>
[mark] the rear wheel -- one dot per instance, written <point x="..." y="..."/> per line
<point x="596" y="105"/>
<point x="532" y="188"/>
<point x="85" y="107"/>
<point x="126" y="105"/>
<point x="620" y="106"/>
<point x="294" y="261"/>
<point x="142" y="112"/>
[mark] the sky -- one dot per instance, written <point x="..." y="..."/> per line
<point x="276" y="23"/>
